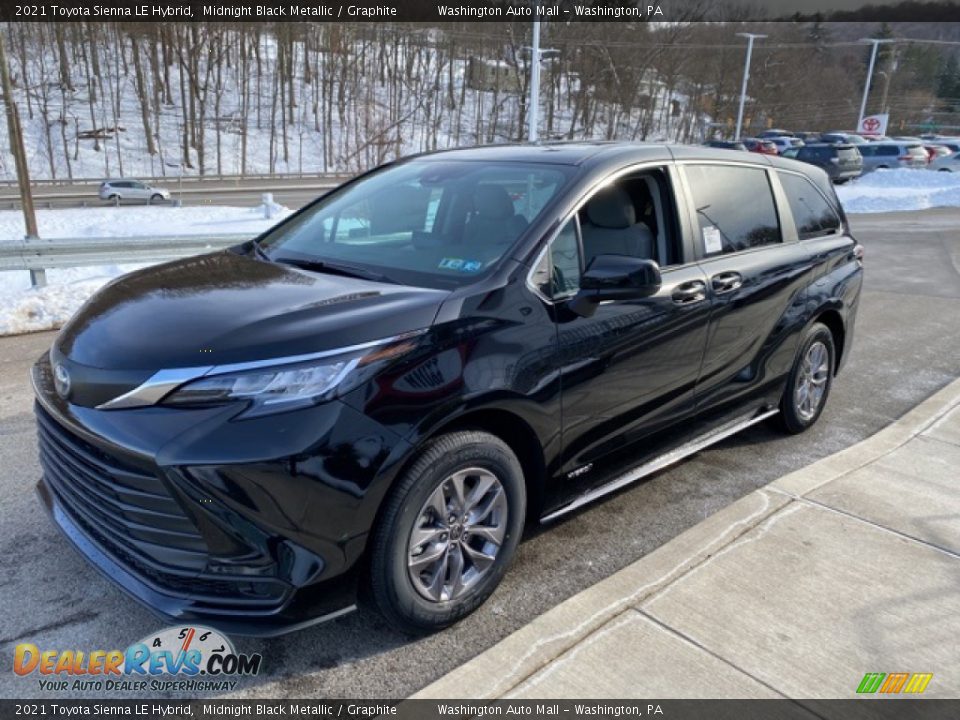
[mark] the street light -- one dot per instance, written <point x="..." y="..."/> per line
<point x="866" y="88"/>
<point x="746" y="76"/>
<point x="536" y="55"/>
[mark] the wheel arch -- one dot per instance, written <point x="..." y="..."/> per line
<point x="519" y="436"/>
<point x="835" y="323"/>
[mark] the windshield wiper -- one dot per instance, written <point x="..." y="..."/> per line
<point x="325" y="266"/>
<point x="259" y="251"/>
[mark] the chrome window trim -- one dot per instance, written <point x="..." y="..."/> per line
<point x="163" y="382"/>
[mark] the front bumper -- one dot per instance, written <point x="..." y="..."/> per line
<point x="255" y="528"/>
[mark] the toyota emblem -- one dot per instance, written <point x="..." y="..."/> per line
<point x="61" y="381"/>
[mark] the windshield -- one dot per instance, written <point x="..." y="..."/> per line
<point x="436" y="224"/>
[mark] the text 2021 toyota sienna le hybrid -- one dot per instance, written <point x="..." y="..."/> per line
<point x="377" y="393"/>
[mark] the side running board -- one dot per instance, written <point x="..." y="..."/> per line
<point x="658" y="463"/>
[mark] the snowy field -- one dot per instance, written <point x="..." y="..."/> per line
<point x="24" y="309"/>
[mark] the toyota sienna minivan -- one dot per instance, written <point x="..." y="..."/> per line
<point x="373" y="397"/>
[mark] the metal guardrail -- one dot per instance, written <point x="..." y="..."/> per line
<point x="38" y="255"/>
<point x="331" y="178"/>
<point x="90" y="197"/>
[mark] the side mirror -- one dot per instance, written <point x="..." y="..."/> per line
<point x="615" y="277"/>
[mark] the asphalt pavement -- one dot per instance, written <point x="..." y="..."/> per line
<point x="907" y="346"/>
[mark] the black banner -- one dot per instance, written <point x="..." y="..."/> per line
<point x="433" y="11"/>
<point x="860" y="709"/>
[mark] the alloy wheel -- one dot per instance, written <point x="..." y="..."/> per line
<point x="457" y="535"/>
<point x="811" y="382"/>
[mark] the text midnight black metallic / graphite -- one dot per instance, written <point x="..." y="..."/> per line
<point x="382" y="389"/>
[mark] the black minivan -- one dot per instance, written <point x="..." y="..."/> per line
<point x="372" y="398"/>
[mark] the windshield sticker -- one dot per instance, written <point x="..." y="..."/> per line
<point x="712" y="241"/>
<point x="461" y="265"/>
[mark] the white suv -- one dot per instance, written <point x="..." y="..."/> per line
<point x="116" y="190"/>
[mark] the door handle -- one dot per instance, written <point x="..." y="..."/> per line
<point x="690" y="292"/>
<point x="726" y="282"/>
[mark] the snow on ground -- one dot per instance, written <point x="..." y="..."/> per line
<point x="137" y="221"/>
<point x="900" y="190"/>
<point x="25" y="309"/>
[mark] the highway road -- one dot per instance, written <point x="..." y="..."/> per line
<point x="907" y="346"/>
<point x="293" y="192"/>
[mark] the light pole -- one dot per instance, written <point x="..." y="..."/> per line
<point x="536" y="55"/>
<point x="534" y="82"/>
<point x="873" y="61"/>
<point x="746" y="76"/>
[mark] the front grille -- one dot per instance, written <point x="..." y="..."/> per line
<point x="127" y="505"/>
<point x="132" y="515"/>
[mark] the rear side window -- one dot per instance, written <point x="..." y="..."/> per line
<point x="734" y="207"/>
<point x="888" y="150"/>
<point x="812" y="214"/>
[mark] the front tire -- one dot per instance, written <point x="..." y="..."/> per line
<point x="809" y="381"/>
<point x="154" y="199"/>
<point x="448" y="532"/>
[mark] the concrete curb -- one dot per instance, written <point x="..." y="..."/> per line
<point x="500" y="669"/>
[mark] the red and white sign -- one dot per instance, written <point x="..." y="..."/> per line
<point x="874" y="124"/>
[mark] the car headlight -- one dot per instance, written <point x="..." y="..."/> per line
<point x="286" y="387"/>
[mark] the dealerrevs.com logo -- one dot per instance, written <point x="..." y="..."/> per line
<point x="186" y="659"/>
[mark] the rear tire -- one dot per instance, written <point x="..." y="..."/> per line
<point x="809" y="381"/>
<point x="428" y="571"/>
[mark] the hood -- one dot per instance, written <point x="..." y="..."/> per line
<point x="227" y="308"/>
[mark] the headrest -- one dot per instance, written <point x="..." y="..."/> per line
<point x="611" y="208"/>
<point x="492" y="201"/>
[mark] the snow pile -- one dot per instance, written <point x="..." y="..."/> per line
<point x="900" y="190"/>
<point x="26" y="309"/>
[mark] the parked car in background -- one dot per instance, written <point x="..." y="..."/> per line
<point x="936" y="151"/>
<point x="807" y="136"/>
<point x="382" y="407"/>
<point x="846" y="138"/>
<point x="758" y="145"/>
<point x="841" y="162"/>
<point x="726" y="145"/>
<point x="952" y="144"/>
<point x="947" y="163"/>
<point x="127" y="190"/>
<point x="774" y="132"/>
<point x="892" y="154"/>
<point x="784" y="142"/>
